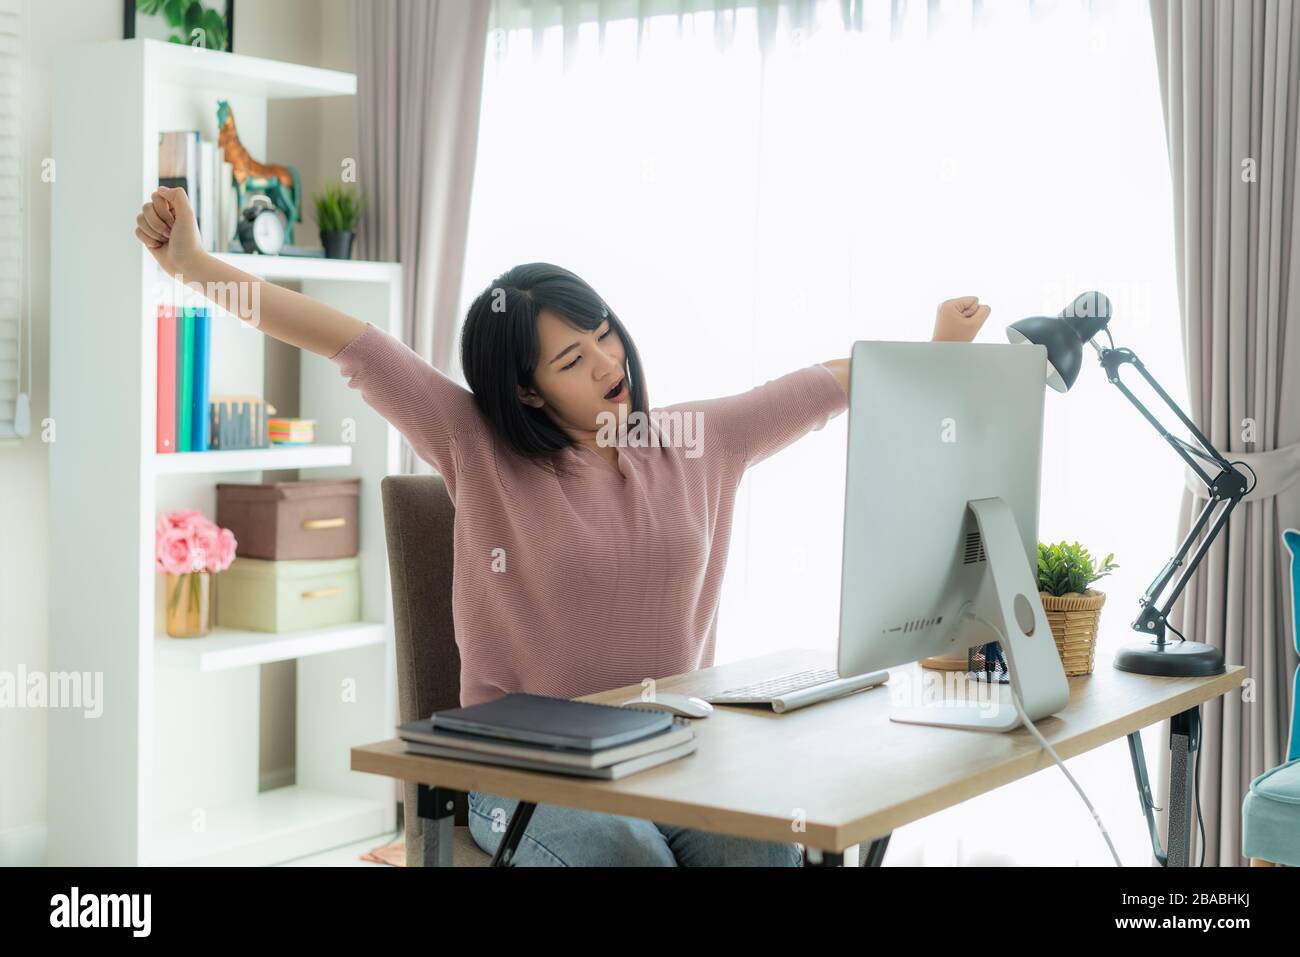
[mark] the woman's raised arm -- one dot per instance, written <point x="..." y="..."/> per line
<point x="167" y="227"/>
<point x="957" y="320"/>
<point x="436" y="415"/>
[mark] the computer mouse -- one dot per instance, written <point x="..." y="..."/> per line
<point x="680" y="704"/>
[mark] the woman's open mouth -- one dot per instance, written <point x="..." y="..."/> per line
<point x="619" y="392"/>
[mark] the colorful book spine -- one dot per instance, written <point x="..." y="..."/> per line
<point x="199" y="428"/>
<point x="240" y="421"/>
<point x="187" y="379"/>
<point x="189" y="417"/>
<point x="178" y="320"/>
<point x="166" y="408"/>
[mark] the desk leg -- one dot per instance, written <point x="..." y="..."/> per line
<point x="1184" y="742"/>
<point x="504" y="857"/>
<point x="875" y="855"/>
<point x="437" y="807"/>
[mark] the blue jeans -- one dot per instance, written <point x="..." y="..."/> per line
<point x="566" y="837"/>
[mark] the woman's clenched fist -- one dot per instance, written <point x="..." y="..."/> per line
<point x="168" y="229"/>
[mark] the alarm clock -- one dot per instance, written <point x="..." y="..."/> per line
<point x="261" y="226"/>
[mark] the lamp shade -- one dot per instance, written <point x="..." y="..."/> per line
<point x="1064" y="336"/>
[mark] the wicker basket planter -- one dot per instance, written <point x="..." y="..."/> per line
<point x="1074" y="619"/>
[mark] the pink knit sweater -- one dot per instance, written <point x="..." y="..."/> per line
<point x="575" y="582"/>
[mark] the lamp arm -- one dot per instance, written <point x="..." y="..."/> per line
<point x="1227" y="489"/>
<point x="1149" y="599"/>
<point x="1112" y="360"/>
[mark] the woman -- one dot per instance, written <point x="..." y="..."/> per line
<point x="582" y="562"/>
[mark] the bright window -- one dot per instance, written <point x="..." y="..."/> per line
<point x="753" y="206"/>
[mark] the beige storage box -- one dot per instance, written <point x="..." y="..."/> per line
<point x="259" y="595"/>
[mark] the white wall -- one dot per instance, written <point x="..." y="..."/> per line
<point x="311" y="135"/>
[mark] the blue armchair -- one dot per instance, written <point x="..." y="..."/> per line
<point x="1270" y="814"/>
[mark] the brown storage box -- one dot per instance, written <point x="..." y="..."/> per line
<point x="291" y="520"/>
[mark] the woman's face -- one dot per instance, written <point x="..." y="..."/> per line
<point x="575" y="372"/>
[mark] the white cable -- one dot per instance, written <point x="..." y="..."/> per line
<point x="1024" y="718"/>
<point x="1015" y="699"/>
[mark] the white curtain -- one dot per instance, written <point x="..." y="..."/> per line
<point x="757" y="184"/>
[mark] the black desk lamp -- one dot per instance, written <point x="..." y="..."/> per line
<point x="1064" y="336"/>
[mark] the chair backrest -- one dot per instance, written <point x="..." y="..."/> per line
<point x="1292" y="539"/>
<point x="419" y="523"/>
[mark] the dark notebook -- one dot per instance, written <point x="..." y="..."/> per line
<point x="423" y="733"/>
<point x="558" y="722"/>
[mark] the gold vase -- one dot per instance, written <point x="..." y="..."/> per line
<point x="189" y="604"/>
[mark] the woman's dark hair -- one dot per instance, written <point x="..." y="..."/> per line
<point x="500" y="349"/>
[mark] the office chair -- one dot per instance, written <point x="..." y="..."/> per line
<point x="418" y="523"/>
<point x="1270" y="813"/>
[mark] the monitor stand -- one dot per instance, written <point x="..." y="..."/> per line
<point x="1008" y="604"/>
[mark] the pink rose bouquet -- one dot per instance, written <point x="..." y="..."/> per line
<point x="185" y="542"/>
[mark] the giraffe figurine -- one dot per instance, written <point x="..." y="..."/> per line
<point x="280" y="183"/>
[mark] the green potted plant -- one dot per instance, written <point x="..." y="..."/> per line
<point x="338" y="208"/>
<point x="1073" y="609"/>
<point x="191" y="21"/>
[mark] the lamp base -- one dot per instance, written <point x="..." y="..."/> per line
<point x="1176" y="659"/>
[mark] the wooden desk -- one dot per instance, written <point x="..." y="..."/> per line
<point x="841" y="768"/>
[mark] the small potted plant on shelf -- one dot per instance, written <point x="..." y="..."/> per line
<point x="1073" y="609"/>
<point x="338" y="209"/>
<point x="189" y="549"/>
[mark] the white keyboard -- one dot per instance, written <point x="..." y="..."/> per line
<point x="798" y="689"/>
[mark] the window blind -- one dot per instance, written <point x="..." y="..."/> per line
<point x="15" y="349"/>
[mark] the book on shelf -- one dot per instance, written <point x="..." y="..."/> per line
<point x="189" y="417"/>
<point x="239" y="421"/>
<point x="178" y="162"/>
<point x="187" y="160"/>
<point x="199" y="433"/>
<point x="166" y="404"/>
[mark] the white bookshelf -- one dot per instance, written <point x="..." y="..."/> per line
<point x="234" y="648"/>
<point x="250" y="460"/>
<point x="299" y="268"/>
<point x="168" y="774"/>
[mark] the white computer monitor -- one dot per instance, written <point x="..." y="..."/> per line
<point x="941" y="520"/>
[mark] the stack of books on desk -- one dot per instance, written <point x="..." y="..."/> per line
<point x="553" y="734"/>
